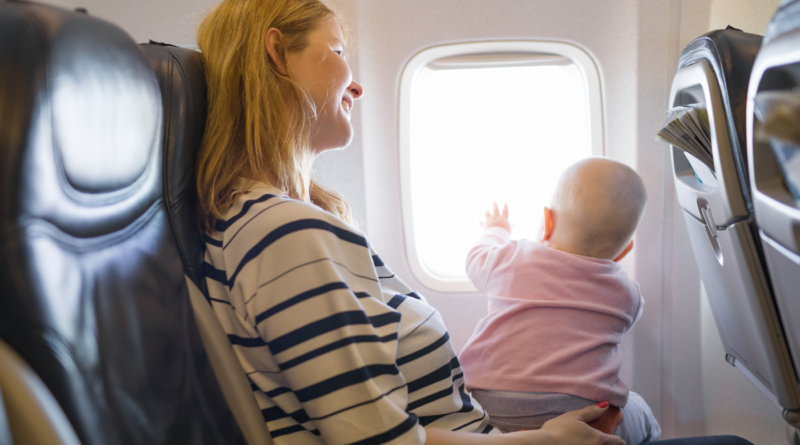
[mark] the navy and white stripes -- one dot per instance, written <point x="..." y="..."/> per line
<point x="337" y="348"/>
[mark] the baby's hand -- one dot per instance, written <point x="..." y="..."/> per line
<point x="497" y="219"/>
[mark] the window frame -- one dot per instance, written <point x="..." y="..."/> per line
<point x="591" y="79"/>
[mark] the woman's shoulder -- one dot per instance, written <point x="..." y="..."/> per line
<point x="260" y="212"/>
<point x="267" y="205"/>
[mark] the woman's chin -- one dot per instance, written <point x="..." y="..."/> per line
<point x="336" y="138"/>
<point x="332" y="145"/>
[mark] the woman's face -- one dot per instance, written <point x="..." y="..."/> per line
<point x="321" y="70"/>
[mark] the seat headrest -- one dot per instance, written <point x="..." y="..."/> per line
<point x="785" y="20"/>
<point x="731" y="54"/>
<point x="80" y="119"/>
<point x="183" y="89"/>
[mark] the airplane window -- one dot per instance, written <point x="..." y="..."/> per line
<point x="484" y="126"/>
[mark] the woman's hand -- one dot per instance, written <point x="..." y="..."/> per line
<point x="567" y="429"/>
<point x="609" y="421"/>
<point x="573" y="428"/>
<point x="497" y="219"/>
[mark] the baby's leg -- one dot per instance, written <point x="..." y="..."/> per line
<point x="638" y="423"/>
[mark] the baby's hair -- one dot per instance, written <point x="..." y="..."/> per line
<point x="601" y="201"/>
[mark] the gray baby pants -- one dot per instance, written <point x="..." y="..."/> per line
<point x="512" y="411"/>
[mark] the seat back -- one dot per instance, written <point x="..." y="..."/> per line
<point x="776" y="78"/>
<point x="181" y="79"/>
<point x="92" y="289"/>
<point x="183" y="89"/>
<point x="714" y="71"/>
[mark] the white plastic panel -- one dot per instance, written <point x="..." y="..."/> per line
<point x="743" y="309"/>
<point x="777" y="68"/>
<point x="724" y="246"/>
<point x="698" y="84"/>
<point x="777" y="213"/>
<point x="784" y="270"/>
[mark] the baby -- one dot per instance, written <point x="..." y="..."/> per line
<point x="558" y="308"/>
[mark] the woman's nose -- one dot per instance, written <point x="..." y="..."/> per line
<point x="356" y="90"/>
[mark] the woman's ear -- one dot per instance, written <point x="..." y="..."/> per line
<point x="627" y="250"/>
<point x="271" y="40"/>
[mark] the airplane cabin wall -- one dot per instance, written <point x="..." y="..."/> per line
<point x="674" y="356"/>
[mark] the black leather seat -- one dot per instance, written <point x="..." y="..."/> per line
<point x="92" y="289"/>
<point x="183" y="91"/>
<point x="183" y="88"/>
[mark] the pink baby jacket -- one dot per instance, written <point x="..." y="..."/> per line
<point x="555" y="320"/>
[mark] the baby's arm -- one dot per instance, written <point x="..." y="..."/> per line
<point x="491" y="250"/>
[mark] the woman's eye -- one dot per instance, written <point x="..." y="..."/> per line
<point x="339" y="52"/>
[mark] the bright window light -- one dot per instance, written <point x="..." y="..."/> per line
<point x="483" y="128"/>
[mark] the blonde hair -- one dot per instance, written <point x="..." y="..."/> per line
<point x="250" y="129"/>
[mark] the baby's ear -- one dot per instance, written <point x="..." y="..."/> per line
<point x="625" y="252"/>
<point x="549" y="224"/>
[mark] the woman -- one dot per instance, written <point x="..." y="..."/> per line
<point x="338" y="349"/>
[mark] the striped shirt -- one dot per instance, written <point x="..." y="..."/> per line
<point x="338" y="350"/>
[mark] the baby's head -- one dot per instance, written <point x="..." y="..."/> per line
<point x="595" y="209"/>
